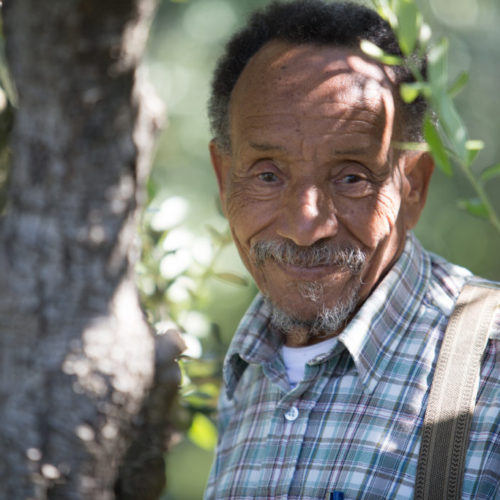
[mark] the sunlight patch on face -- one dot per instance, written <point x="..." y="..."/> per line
<point x="312" y="291"/>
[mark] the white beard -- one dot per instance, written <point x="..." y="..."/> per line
<point x="326" y="322"/>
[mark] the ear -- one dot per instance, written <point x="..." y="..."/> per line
<point x="221" y="163"/>
<point x="417" y="171"/>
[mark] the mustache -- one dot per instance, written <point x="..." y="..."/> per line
<point x="322" y="253"/>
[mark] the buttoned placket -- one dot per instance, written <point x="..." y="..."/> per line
<point x="288" y="427"/>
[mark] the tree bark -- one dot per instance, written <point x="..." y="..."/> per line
<point x="84" y="384"/>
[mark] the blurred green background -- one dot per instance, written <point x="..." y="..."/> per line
<point x="190" y="272"/>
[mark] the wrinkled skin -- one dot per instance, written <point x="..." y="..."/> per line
<point x="311" y="160"/>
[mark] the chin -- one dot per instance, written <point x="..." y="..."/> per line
<point x="309" y="306"/>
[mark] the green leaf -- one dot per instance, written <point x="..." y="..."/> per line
<point x="215" y="235"/>
<point x="203" y="432"/>
<point x="411" y="146"/>
<point x="441" y="101"/>
<point x="218" y="237"/>
<point x="371" y="49"/>
<point x="378" y="54"/>
<point x="473" y="147"/>
<point x="453" y="125"/>
<point x="475" y="207"/>
<point x="152" y="189"/>
<point x="408" y="25"/>
<point x="200" y="369"/>
<point x="437" y="147"/>
<point x="203" y="396"/>
<point x="490" y="172"/>
<point x="438" y="67"/>
<point x="458" y="84"/>
<point x="424" y="35"/>
<point x="231" y="278"/>
<point x="386" y="12"/>
<point x="410" y="91"/>
<point x="198" y="400"/>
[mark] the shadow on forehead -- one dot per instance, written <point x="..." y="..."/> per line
<point x="287" y="82"/>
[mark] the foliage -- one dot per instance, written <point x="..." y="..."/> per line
<point x="444" y="129"/>
<point x="190" y="276"/>
<point x="175" y="278"/>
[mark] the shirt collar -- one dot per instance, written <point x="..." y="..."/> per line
<point x="371" y="337"/>
<point x="374" y="334"/>
<point x="254" y="342"/>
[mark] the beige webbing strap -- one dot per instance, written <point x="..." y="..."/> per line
<point x="453" y="393"/>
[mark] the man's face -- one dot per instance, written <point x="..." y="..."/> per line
<point x="312" y="168"/>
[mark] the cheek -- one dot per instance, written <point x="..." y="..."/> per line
<point x="386" y="213"/>
<point x="237" y="208"/>
<point x="377" y="219"/>
<point x="236" y="211"/>
<point x="245" y="220"/>
<point x="246" y="213"/>
<point x="244" y="226"/>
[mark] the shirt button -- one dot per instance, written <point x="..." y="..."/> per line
<point x="292" y="414"/>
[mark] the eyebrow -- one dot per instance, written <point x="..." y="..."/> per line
<point x="355" y="151"/>
<point x="266" y="146"/>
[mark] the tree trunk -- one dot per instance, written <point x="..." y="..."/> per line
<point x="82" y="401"/>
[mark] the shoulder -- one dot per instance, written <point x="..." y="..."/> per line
<point x="447" y="280"/>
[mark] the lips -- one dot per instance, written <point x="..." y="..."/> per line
<point x="311" y="273"/>
<point x="323" y="257"/>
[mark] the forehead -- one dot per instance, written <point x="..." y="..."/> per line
<point x="314" y="86"/>
<point x="290" y="69"/>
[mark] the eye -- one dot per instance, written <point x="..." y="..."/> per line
<point x="350" y="179"/>
<point x="354" y="184"/>
<point x="268" y="177"/>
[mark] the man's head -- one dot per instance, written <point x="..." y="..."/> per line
<point x="318" y="199"/>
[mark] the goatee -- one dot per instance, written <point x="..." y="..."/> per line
<point x="327" y="320"/>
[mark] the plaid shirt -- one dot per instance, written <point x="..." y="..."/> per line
<point x="354" y="423"/>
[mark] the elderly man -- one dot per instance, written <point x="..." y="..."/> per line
<point x="327" y="379"/>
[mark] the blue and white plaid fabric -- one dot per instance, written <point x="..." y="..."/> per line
<point x="353" y="424"/>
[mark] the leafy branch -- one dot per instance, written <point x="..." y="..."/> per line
<point x="444" y="130"/>
<point x="176" y="277"/>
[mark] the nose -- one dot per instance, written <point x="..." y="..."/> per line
<point x="308" y="215"/>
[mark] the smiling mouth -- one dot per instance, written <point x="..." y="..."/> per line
<point x="319" y="258"/>
<point x="312" y="273"/>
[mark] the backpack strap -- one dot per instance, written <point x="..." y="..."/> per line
<point x="453" y="394"/>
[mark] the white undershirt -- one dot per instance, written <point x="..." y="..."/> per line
<point x="296" y="358"/>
